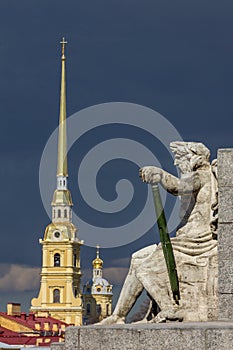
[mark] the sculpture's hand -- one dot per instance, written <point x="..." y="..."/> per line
<point x="150" y="174"/>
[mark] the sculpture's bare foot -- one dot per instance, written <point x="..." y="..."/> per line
<point x="144" y="320"/>
<point x="113" y="319"/>
<point x="167" y="315"/>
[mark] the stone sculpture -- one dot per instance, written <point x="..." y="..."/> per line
<point x="195" y="245"/>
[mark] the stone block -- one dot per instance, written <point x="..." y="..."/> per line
<point x="174" y="335"/>
<point x="225" y="167"/>
<point x="72" y="339"/>
<point x="225" y="275"/>
<point x="225" y="258"/>
<point x="225" y="239"/>
<point x="225" y="302"/>
<point x="225" y="198"/>
<point x="58" y="346"/>
<point x="181" y="339"/>
<point x="219" y="339"/>
<point x="119" y="338"/>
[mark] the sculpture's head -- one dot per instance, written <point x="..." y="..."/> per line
<point x="190" y="156"/>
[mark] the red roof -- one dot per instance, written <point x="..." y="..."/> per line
<point x="40" y="337"/>
<point x="31" y="319"/>
<point x="13" y="338"/>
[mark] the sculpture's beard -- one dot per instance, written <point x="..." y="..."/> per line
<point x="184" y="166"/>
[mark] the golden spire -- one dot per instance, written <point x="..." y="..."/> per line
<point x="62" y="169"/>
<point x="97" y="263"/>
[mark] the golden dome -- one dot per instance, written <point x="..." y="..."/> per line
<point x="97" y="263"/>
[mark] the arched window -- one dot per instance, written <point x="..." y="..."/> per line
<point x="56" y="296"/>
<point x="57" y="259"/>
<point x="88" y="309"/>
<point x="98" y="309"/>
<point x="107" y="310"/>
<point x="65" y="213"/>
<point x="59" y="213"/>
<point x="75" y="260"/>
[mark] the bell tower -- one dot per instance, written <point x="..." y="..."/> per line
<point x="60" y="294"/>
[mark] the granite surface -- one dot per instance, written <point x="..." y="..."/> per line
<point x="225" y="234"/>
<point x="175" y="336"/>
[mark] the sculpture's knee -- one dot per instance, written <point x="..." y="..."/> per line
<point x="144" y="253"/>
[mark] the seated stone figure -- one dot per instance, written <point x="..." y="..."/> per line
<point x="195" y="245"/>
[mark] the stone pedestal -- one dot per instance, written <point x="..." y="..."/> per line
<point x="177" y="336"/>
<point x="225" y="234"/>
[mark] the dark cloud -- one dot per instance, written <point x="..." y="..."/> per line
<point x="18" y="278"/>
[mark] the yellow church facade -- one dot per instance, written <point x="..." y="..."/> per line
<point x="60" y="294"/>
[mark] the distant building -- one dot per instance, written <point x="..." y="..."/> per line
<point x="18" y="328"/>
<point x="97" y="294"/>
<point x="60" y="294"/>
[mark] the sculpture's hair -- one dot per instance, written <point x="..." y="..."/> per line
<point x="194" y="152"/>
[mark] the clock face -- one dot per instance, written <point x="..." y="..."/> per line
<point x="57" y="234"/>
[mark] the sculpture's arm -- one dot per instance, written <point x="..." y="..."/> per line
<point x="188" y="184"/>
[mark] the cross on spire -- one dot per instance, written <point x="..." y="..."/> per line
<point x="63" y="43"/>
<point x="97" y="251"/>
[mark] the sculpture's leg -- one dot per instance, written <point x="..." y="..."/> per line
<point x="161" y="294"/>
<point x="131" y="290"/>
<point x="155" y="280"/>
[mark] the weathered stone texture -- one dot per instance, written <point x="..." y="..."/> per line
<point x="225" y="234"/>
<point x="225" y="279"/>
<point x="225" y="167"/>
<point x="225" y="257"/>
<point x="226" y="204"/>
<point x="72" y="340"/>
<point x="58" y="346"/>
<point x="219" y="339"/>
<point x="176" y="336"/>
<point x="121" y="338"/>
<point x="225" y="238"/>
<point x="181" y="339"/>
<point x="225" y="306"/>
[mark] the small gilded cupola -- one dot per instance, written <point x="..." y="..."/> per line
<point x="97" y="293"/>
<point x="97" y="264"/>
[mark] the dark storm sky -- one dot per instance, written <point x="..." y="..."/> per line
<point x="172" y="56"/>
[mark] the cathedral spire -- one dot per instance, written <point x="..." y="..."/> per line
<point x="60" y="276"/>
<point x="62" y="169"/>
<point x="62" y="196"/>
